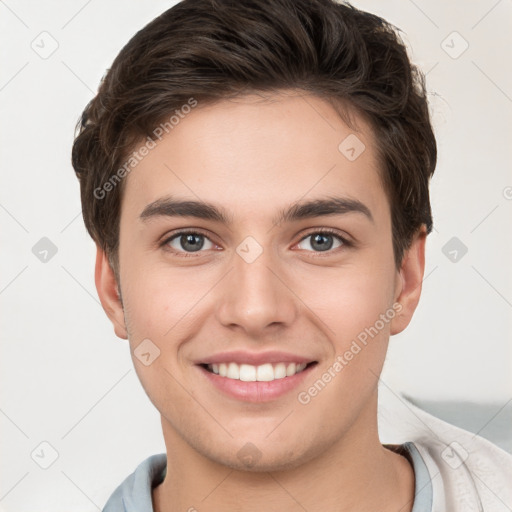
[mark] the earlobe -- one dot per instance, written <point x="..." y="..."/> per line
<point x="108" y="292"/>
<point x="410" y="280"/>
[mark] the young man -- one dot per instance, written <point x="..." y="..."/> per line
<point x="255" y="176"/>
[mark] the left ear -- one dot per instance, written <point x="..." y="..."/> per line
<point x="409" y="281"/>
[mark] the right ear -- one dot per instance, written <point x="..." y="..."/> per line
<point x="108" y="292"/>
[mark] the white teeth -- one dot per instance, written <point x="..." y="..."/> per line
<point x="263" y="373"/>
<point x="280" y="371"/>
<point x="290" y="369"/>
<point x="247" y="372"/>
<point x="233" y="371"/>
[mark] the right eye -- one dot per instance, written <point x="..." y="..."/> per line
<point x="185" y="243"/>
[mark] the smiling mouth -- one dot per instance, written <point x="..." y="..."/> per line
<point x="263" y="373"/>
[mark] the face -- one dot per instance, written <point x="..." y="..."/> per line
<point x="270" y="319"/>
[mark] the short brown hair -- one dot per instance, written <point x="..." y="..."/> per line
<point x="211" y="50"/>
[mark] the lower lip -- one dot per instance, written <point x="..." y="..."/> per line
<point x="256" y="391"/>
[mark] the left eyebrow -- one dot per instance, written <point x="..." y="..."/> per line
<point x="171" y="207"/>
<point x="322" y="207"/>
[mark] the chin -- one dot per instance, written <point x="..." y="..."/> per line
<point x="260" y="458"/>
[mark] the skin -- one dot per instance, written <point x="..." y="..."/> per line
<point x="255" y="156"/>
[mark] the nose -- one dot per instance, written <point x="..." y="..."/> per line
<point x="256" y="297"/>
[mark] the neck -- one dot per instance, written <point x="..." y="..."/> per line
<point x="356" y="473"/>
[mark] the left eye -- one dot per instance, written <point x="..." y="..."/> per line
<point x="322" y="241"/>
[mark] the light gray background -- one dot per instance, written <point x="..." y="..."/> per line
<point x="68" y="381"/>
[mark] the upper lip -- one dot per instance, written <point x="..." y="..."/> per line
<point x="254" y="358"/>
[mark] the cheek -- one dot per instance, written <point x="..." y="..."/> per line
<point x="157" y="298"/>
<point x="358" y="314"/>
<point x="159" y="309"/>
<point x="167" y="308"/>
<point x="349" y="299"/>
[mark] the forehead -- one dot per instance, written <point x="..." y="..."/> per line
<point x="257" y="155"/>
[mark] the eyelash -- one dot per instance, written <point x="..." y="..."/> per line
<point x="323" y="231"/>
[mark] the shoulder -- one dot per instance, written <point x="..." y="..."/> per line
<point x="468" y="473"/>
<point x="134" y="492"/>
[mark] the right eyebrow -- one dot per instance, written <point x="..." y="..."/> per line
<point x="170" y="207"/>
